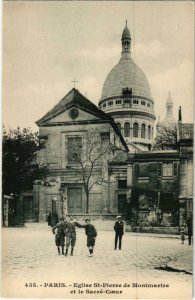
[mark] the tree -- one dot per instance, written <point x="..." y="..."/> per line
<point x="166" y="137"/>
<point x="19" y="167"/>
<point x="91" y="161"/>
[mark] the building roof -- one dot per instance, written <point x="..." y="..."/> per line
<point x="126" y="74"/>
<point x="169" y="99"/>
<point x="75" y="98"/>
<point x="126" y="33"/>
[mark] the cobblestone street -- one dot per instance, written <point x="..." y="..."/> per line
<point x="29" y="255"/>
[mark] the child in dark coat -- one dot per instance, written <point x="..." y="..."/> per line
<point x="60" y="235"/>
<point x="182" y="232"/>
<point x="91" y="234"/>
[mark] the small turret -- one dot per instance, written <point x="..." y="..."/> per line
<point x="126" y="39"/>
<point x="169" y="105"/>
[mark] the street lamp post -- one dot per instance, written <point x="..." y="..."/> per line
<point x="63" y="200"/>
<point x="54" y="216"/>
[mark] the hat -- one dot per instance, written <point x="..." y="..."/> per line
<point x="87" y="220"/>
<point x="119" y="217"/>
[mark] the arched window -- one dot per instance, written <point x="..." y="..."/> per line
<point x="143" y="131"/>
<point x="135" y="130"/>
<point x="118" y="101"/>
<point x="126" y="129"/>
<point x="119" y="126"/>
<point x="149" y="132"/>
<point x="135" y="101"/>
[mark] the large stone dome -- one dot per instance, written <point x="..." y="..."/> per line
<point x="126" y="97"/>
<point x="126" y="74"/>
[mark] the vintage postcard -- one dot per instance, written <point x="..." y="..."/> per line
<point x="97" y="149"/>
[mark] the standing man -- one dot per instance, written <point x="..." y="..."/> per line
<point x="49" y="219"/>
<point x="119" y="231"/>
<point x="190" y="227"/>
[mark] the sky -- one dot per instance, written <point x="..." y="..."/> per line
<point x="46" y="44"/>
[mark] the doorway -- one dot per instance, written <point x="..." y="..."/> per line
<point x="75" y="200"/>
<point x="122" y="203"/>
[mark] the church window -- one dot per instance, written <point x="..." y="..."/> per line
<point x="105" y="138"/>
<point x="143" y="131"/>
<point x="175" y="169"/>
<point x="135" y="130"/>
<point x="104" y="105"/>
<point x="127" y="129"/>
<point x="159" y="169"/>
<point x="110" y="103"/>
<point x="143" y="102"/>
<point x="135" y="101"/>
<point x="118" y="101"/>
<point x="122" y="184"/>
<point x="127" y="101"/>
<point x="149" y="132"/>
<point x="143" y="170"/>
<point x="74" y="149"/>
<point x="74" y="113"/>
<point x="119" y="126"/>
<point x="148" y="104"/>
<point x="167" y="169"/>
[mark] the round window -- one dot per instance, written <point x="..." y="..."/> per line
<point x="74" y="113"/>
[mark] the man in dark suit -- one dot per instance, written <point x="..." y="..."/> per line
<point x="119" y="231"/>
<point x="190" y="229"/>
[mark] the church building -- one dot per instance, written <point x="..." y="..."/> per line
<point x="100" y="160"/>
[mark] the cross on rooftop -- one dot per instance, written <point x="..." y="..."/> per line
<point x="75" y="82"/>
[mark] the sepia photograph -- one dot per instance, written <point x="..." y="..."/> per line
<point x="97" y="149"/>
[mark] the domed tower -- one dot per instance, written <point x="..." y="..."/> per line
<point x="127" y="98"/>
<point x="169" y="114"/>
<point x="169" y="120"/>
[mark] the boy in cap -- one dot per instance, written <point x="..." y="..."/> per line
<point x="70" y="234"/>
<point x="119" y="231"/>
<point x="91" y="234"/>
<point x="60" y="235"/>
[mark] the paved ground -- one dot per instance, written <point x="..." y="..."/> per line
<point x="29" y="257"/>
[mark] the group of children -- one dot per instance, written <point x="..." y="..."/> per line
<point x="65" y="229"/>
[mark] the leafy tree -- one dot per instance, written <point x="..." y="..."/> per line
<point x="19" y="166"/>
<point x="166" y="137"/>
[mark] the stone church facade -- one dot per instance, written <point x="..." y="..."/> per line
<point x="100" y="160"/>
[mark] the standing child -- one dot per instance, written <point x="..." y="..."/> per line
<point x="70" y="233"/>
<point x="60" y="235"/>
<point x="91" y="234"/>
<point x="182" y="232"/>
